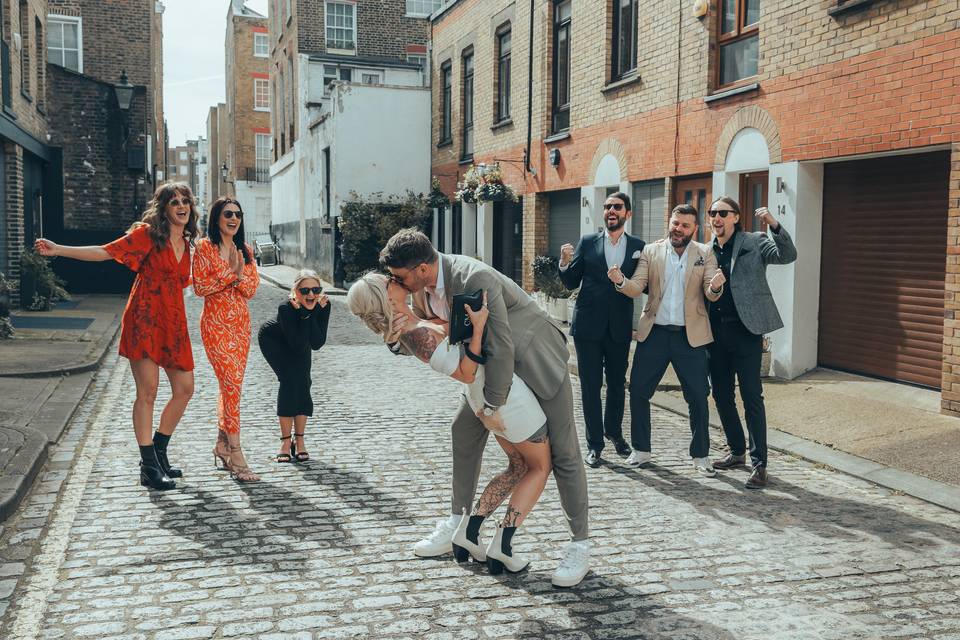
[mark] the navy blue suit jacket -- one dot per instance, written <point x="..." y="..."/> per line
<point x="600" y="310"/>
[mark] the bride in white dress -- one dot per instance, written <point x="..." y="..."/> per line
<point x="376" y="299"/>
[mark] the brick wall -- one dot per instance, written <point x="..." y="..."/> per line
<point x="242" y="68"/>
<point x="213" y="155"/>
<point x="29" y="92"/>
<point x="13" y="210"/>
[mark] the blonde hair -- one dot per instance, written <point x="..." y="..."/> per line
<point x="368" y="300"/>
<point x="303" y="274"/>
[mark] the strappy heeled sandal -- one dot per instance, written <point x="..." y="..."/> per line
<point x="240" y="473"/>
<point x="285" y="457"/>
<point x="299" y="456"/>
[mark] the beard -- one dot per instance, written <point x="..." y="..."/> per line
<point x="615" y="224"/>
<point x="682" y="241"/>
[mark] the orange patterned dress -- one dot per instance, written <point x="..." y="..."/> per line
<point x="225" y="324"/>
<point x="154" y="323"/>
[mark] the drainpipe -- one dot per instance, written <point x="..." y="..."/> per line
<point x="526" y="157"/>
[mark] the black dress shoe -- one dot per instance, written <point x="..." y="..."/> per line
<point x="622" y="448"/>
<point x="758" y="478"/>
<point x="592" y="458"/>
<point x="730" y="461"/>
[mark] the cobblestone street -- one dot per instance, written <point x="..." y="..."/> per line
<point x="322" y="550"/>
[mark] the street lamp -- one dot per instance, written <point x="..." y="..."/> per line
<point x="225" y="173"/>
<point x="124" y="92"/>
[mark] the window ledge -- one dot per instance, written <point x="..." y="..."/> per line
<point x="262" y="109"/>
<point x="341" y="52"/>
<point x="506" y="122"/>
<point x="850" y="5"/>
<point x="444" y="143"/>
<point x="466" y="160"/>
<point x="26" y="96"/>
<point x="557" y="137"/>
<point x="729" y="93"/>
<point x="622" y="82"/>
<point x="9" y="112"/>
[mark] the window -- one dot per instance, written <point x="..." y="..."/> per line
<point x="261" y="94"/>
<point x="333" y="72"/>
<point x="183" y="169"/>
<point x="468" y="104"/>
<point x="446" y="82"/>
<point x="423" y="8"/>
<point x="624" y="58"/>
<point x="41" y="67"/>
<point x="262" y="146"/>
<point x="370" y="78"/>
<point x="561" y="65"/>
<point x="418" y="59"/>
<point x="64" y="37"/>
<point x="739" y="40"/>
<point x="503" y="75"/>
<point x="341" y="25"/>
<point x="261" y="45"/>
<point x="183" y="155"/>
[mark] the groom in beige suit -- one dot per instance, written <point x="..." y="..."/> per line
<point x="520" y="338"/>
<point x="674" y="329"/>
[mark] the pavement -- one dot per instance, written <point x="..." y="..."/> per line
<point x="322" y="550"/>
<point x="45" y="370"/>
<point x="283" y="276"/>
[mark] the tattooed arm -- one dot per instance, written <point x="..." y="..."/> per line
<point x="421" y="342"/>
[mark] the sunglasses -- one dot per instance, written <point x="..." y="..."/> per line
<point x="183" y="201"/>
<point x="720" y="212"/>
<point x="306" y="290"/>
<point x="616" y="206"/>
<point x="227" y="213"/>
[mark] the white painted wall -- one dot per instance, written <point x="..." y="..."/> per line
<point x="254" y="198"/>
<point x="485" y="232"/>
<point x="469" y="220"/>
<point x="284" y="189"/>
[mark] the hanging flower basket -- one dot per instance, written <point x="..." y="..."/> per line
<point x="437" y="199"/>
<point x="486" y="186"/>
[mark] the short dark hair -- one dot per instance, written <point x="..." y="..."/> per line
<point x="622" y="196"/>
<point x="733" y="205"/>
<point x="408" y="248"/>
<point x="686" y="210"/>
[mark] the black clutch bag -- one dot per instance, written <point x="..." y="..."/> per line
<point x="460" y="327"/>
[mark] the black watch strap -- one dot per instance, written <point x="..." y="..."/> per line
<point x="481" y="359"/>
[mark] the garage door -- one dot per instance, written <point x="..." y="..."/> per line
<point x="882" y="267"/>
<point x="564" y="219"/>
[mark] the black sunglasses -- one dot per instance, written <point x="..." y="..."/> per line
<point x="616" y="206"/>
<point x="228" y="213"/>
<point x="176" y="203"/>
<point x="720" y="212"/>
<point x="305" y="290"/>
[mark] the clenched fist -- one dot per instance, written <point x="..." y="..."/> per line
<point x="616" y="276"/>
<point x="718" y="280"/>
<point x="566" y="254"/>
<point x="767" y="218"/>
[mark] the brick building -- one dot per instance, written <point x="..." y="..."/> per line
<point x="841" y="116"/>
<point x="216" y="153"/>
<point x="367" y="58"/>
<point x="247" y="137"/>
<point x="29" y="167"/>
<point x="183" y="164"/>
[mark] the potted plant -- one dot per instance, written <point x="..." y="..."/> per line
<point x="437" y="199"/>
<point x="40" y="287"/>
<point x="546" y="279"/>
<point x="484" y="184"/>
<point x="6" y="328"/>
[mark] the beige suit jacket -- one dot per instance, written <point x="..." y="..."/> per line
<point x="651" y="274"/>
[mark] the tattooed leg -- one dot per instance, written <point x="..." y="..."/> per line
<point x="501" y="485"/>
<point x="536" y="458"/>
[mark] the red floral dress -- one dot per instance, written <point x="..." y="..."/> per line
<point x="155" y="321"/>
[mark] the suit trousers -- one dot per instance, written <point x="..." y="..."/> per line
<point x="650" y="359"/>
<point x="737" y="352"/>
<point x="594" y="358"/>
<point x="470" y="437"/>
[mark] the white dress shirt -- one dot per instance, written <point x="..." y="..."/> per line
<point x="437" y="297"/>
<point x="671" y="306"/>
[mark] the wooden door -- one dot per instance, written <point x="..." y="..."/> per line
<point x="753" y="195"/>
<point x="696" y="191"/>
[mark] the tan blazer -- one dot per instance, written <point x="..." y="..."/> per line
<point x="650" y="272"/>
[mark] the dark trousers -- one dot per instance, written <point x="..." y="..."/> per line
<point x="594" y="358"/>
<point x="650" y="359"/>
<point x="737" y="352"/>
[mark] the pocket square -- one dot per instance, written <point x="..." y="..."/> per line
<point x="699" y="262"/>
<point x="635" y="256"/>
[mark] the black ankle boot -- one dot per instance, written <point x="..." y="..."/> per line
<point x="160" y="442"/>
<point x="151" y="474"/>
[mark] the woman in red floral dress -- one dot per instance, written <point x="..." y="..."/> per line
<point x="225" y="274"/>
<point x="154" y="329"/>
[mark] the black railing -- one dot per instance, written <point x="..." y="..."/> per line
<point x="258" y="174"/>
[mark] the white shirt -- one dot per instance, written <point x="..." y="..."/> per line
<point x="437" y="297"/>
<point x="671" y="306"/>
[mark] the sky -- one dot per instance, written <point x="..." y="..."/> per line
<point x="193" y="63"/>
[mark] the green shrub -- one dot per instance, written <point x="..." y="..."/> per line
<point x="49" y="286"/>
<point x="546" y="277"/>
<point x="366" y="225"/>
<point x="6" y="328"/>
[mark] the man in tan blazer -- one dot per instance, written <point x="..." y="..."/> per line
<point x="674" y="329"/>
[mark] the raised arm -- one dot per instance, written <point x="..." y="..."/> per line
<point x="635" y="286"/>
<point x="88" y="254"/>
<point x="467" y="369"/>
<point x="319" y="323"/>
<point x="780" y="250"/>
<point x="713" y="278"/>
<point x="499" y="342"/>
<point x="571" y="274"/>
<point x="249" y="278"/>
<point x="210" y="274"/>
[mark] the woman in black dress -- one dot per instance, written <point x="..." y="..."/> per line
<point x="287" y="342"/>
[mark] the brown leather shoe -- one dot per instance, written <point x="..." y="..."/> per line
<point x="758" y="478"/>
<point x="730" y="461"/>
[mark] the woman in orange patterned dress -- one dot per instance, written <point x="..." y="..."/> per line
<point x="225" y="274"/>
<point x="154" y="329"/>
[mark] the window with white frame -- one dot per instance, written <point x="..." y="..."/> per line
<point x="183" y="155"/>
<point x="418" y="59"/>
<point x="370" y="78"/>
<point x="183" y="169"/>
<point x="261" y="45"/>
<point x="341" y="18"/>
<point x="261" y="94"/>
<point x="333" y="72"/>
<point x="65" y="42"/>
<point x="423" y="8"/>
<point x="262" y="146"/>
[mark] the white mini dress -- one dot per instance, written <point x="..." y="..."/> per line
<point x="521" y="414"/>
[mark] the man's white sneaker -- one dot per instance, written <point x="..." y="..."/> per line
<point x="574" y="564"/>
<point x="638" y="458"/>
<point x="439" y="542"/>
<point x="704" y="467"/>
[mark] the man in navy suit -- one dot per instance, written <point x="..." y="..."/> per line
<point x="602" y="324"/>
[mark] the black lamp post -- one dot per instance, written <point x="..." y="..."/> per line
<point x="124" y="92"/>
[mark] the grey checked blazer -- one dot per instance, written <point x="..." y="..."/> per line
<point x="752" y="252"/>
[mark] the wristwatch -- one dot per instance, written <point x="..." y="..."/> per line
<point x="488" y="411"/>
